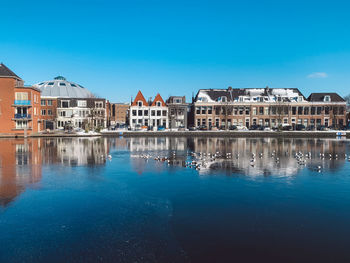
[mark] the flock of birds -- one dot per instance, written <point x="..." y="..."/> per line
<point x="203" y="160"/>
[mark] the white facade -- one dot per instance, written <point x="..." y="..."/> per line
<point x="142" y="114"/>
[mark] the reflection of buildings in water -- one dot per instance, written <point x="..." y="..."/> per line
<point x="117" y="143"/>
<point x="158" y="146"/>
<point x="271" y="149"/>
<point x="274" y="156"/>
<point x="20" y="165"/>
<point x="82" y="151"/>
<point x="21" y="160"/>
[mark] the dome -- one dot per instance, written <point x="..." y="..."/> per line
<point x="60" y="87"/>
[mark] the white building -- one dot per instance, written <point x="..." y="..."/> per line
<point x="151" y="114"/>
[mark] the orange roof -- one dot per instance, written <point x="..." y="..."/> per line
<point x="139" y="97"/>
<point x="158" y="98"/>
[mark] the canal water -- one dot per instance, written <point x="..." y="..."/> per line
<point x="174" y="200"/>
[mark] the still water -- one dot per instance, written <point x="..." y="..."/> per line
<point x="201" y="200"/>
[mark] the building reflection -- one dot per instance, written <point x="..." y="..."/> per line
<point x="273" y="156"/>
<point x="158" y="146"/>
<point x="21" y="160"/>
<point x="20" y="165"/>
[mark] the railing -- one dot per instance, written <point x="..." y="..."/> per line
<point x="22" y="116"/>
<point x="22" y="102"/>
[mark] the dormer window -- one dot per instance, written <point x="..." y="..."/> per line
<point x="139" y="103"/>
<point x="222" y="99"/>
<point x="300" y="98"/>
<point x="327" y="98"/>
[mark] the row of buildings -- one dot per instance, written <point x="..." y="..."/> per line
<point x="61" y="104"/>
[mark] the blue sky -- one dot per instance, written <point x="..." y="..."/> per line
<point x="115" y="48"/>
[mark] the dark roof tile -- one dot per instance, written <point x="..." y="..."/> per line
<point x="319" y="97"/>
<point x="6" y="72"/>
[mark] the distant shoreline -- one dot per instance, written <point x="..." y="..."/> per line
<point x="230" y="134"/>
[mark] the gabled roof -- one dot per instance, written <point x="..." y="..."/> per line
<point x="6" y="72"/>
<point x="319" y="97"/>
<point x="158" y="98"/>
<point x="139" y="97"/>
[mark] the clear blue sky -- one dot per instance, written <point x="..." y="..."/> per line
<point x="115" y="48"/>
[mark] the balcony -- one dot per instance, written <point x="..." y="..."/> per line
<point x="22" y="116"/>
<point x="22" y="103"/>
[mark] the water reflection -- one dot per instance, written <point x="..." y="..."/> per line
<point x="251" y="157"/>
<point x="22" y="159"/>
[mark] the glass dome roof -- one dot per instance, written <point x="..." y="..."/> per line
<point x="61" y="88"/>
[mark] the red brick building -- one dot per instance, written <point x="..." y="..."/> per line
<point x="19" y="105"/>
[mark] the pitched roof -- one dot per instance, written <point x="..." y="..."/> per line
<point x="158" y="98"/>
<point x="139" y="97"/>
<point x="6" y="72"/>
<point x="319" y="97"/>
<point x="233" y="93"/>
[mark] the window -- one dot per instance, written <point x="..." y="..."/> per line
<point x="335" y="110"/>
<point x="300" y="111"/>
<point x="313" y="110"/>
<point x="42" y="103"/>
<point x="341" y="110"/>
<point x="145" y="113"/>
<point x="62" y="84"/>
<point x="153" y="113"/>
<point x="164" y="113"/>
<point x="306" y="110"/>
<point x="178" y="101"/>
<point x="64" y="104"/>
<point x="73" y="85"/>
<point x="63" y="113"/>
<point x="273" y="110"/>
<point x="134" y="113"/>
<point x="49" y="102"/>
<point x="159" y="104"/>
<point x="261" y="110"/>
<point x="43" y="112"/>
<point x="158" y="113"/>
<point x="319" y="109"/>
<point x="140" y="112"/>
<point x="294" y="110"/>
<point x="210" y="110"/>
<point x="254" y="111"/>
<point x="247" y="110"/>
<point x="198" y="110"/>
<point x="49" y="112"/>
<point x="81" y="103"/>
<point x="50" y="83"/>
<point x="21" y="96"/>
<point x="204" y="110"/>
<point x="266" y="110"/>
<point x="21" y="124"/>
<point x="139" y="103"/>
<point x="327" y="98"/>
<point x="326" y="110"/>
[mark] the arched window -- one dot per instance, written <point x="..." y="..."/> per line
<point x="159" y="104"/>
<point x="139" y="103"/>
